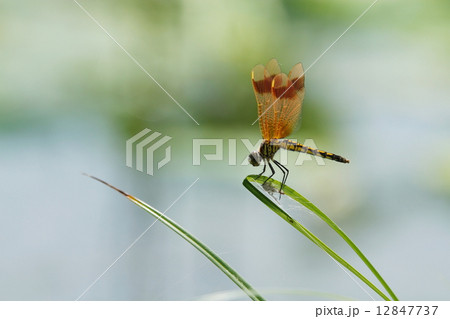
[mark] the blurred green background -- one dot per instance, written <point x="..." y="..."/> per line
<point x="70" y="98"/>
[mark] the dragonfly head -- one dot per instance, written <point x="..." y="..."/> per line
<point x="254" y="158"/>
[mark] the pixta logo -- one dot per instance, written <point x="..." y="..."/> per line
<point x="144" y="145"/>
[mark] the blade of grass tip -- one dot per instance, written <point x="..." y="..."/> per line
<point x="208" y="253"/>
<point x="278" y="210"/>
<point x="305" y="202"/>
<point x="302" y="200"/>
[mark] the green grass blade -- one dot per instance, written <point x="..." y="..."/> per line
<point x="208" y="253"/>
<point x="303" y="201"/>
<point x="229" y="295"/>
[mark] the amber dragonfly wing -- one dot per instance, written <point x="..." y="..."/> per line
<point x="279" y="98"/>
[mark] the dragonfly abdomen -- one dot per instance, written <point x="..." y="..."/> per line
<point x="297" y="147"/>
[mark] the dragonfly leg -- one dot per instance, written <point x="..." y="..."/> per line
<point x="264" y="169"/>
<point x="273" y="172"/>
<point x="285" y="173"/>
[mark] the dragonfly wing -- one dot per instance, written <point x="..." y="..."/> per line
<point x="273" y="67"/>
<point x="288" y="92"/>
<point x="262" y="77"/>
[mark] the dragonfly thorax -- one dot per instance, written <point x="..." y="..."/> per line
<point x="268" y="148"/>
<point x="266" y="152"/>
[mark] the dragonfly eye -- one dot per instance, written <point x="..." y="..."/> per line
<point x="254" y="158"/>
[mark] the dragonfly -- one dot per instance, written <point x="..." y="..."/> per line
<point x="279" y="98"/>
